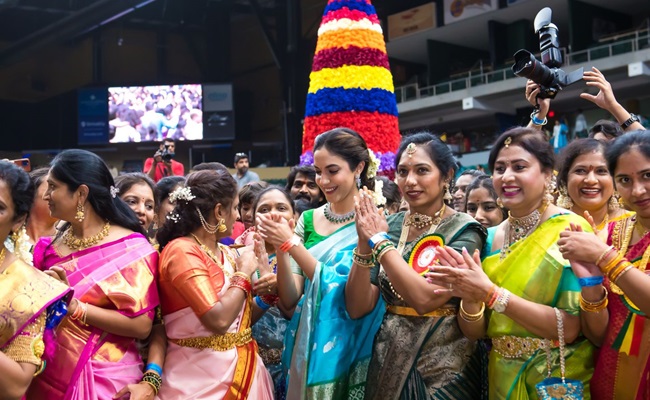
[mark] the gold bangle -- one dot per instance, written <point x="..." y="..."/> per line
<point x="383" y="252"/>
<point x="471" y="317"/>
<point x="594" y="307"/>
<point x="620" y="274"/>
<point x="615" y="272"/>
<point x="600" y="258"/>
<point x="366" y="256"/>
<point x="611" y="264"/>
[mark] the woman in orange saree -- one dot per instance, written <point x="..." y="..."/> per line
<point x="206" y="297"/>
<point x="103" y="254"/>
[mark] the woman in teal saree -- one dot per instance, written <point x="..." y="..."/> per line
<point x="326" y="352"/>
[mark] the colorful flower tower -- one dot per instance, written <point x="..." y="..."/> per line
<point x="350" y="84"/>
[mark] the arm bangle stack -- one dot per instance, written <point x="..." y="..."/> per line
<point x="603" y="255"/>
<point x="598" y="306"/>
<point x="536" y="121"/>
<point x="467" y="317"/>
<point x="363" y="260"/>
<point x="290" y="243"/>
<point x="261" y="304"/>
<point x="155" y="381"/>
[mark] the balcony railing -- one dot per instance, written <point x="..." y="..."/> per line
<point x="637" y="40"/>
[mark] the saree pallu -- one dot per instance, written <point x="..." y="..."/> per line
<point x="426" y="357"/>
<point x="623" y="366"/>
<point x="536" y="271"/>
<point x="88" y="363"/>
<point x="326" y="353"/>
<point x="26" y="295"/>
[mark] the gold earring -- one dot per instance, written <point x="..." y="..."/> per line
<point x="614" y="202"/>
<point x="549" y="189"/>
<point x="499" y="202"/>
<point x="563" y="200"/>
<point x="447" y="196"/>
<point x="80" y="212"/>
<point x="221" y="226"/>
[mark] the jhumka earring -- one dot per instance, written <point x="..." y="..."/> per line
<point x="447" y="196"/>
<point x="80" y="212"/>
<point x="358" y="180"/>
<point x="563" y="200"/>
<point x="549" y="190"/>
<point x="499" y="202"/>
<point x="221" y="225"/>
<point x="614" y="202"/>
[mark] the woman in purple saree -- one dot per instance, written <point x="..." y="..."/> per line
<point x="104" y="255"/>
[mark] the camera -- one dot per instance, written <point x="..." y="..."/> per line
<point x="166" y="154"/>
<point x="546" y="73"/>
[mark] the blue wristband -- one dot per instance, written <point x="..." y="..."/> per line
<point x="261" y="304"/>
<point x="590" y="281"/>
<point x="154" y="367"/>
<point x="377" y="238"/>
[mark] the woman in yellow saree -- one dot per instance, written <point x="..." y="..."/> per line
<point x="522" y="277"/>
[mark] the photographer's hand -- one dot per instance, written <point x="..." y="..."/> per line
<point x="532" y="91"/>
<point x="605" y="98"/>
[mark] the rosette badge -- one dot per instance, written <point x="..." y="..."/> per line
<point x="350" y="84"/>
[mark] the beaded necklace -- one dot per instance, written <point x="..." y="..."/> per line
<point x="214" y="258"/>
<point x="519" y="228"/>
<point x="337" y="218"/>
<point x="76" y="243"/>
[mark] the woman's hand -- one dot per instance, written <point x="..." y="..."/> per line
<point x="247" y="263"/>
<point x="267" y="284"/>
<point x="260" y="252"/>
<point x="369" y="220"/>
<point x="137" y="391"/>
<point x="601" y="233"/>
<point x="584" y="270"/>
<point x="576" y="245"/>
<point x="532" y="91"/>
<point x="59" y="274"/>
<point x="273" y="229"/>
<point x="605" y="98"/>
<point x="466" y="280"/>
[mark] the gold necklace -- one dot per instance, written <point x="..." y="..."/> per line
<point x="402" y="244"/>
<point x="76" y="243"/>
<point x="422" y="221"/>
<point x="211" y="254"/>
<point x="519" y="228"/>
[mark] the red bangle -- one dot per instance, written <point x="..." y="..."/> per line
<point x="494" y="298"/>
<point x="293" y="241"/>
<point x="270" y="299"/>
<point x="241" y="283"/>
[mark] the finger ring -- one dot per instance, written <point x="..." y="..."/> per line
<point x="451" y="286"/>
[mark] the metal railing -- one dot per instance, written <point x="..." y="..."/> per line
<point x="639" y="40"/>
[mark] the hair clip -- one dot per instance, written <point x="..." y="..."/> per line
<point x="410" y="149"/>
<point x="114" y="191"/>
<point x="508" y="141"/>
<point x="181" y="193"/>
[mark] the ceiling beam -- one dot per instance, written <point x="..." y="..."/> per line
<point x="77" y="23"/>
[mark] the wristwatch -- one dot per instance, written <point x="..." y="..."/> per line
<point x="377" y="238"/>
<point x="502" y="302"/>
<point x="633" y="118"/>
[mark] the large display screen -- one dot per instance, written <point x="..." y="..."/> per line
<point x="152" y="113"/>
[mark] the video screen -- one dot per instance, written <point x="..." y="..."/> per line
<point x="154" y="113"/>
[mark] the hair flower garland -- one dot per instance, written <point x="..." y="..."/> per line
<point x="114" y="191"/>
<point x="378" y="194"/>
<point x="181" y="193"/>
<point x="373" y="165"/>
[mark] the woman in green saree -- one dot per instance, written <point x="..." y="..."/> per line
<point x="522" y="276"/>
<point x="419" y="351"/>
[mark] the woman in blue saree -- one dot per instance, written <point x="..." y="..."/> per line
<point x="326" y="352"/>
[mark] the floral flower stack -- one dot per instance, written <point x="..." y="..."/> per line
<point x="350" y="84"/>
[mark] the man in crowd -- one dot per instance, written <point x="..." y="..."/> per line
<point x="162" y="163"/>
<point x="243" y="175"/>
<point x="301" y="184"/>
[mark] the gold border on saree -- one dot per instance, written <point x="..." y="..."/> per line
<point x="517" y="347"/>
<point x="410" y="312"/>
<point x="223" y="342"/>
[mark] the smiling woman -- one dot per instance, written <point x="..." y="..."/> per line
<point x="585" y="184"/>
<point x="138" y="192"/>
<point x="523" y="276"/>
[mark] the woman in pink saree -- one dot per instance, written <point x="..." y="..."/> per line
<point x="206" y="297"/>
<point x="103" y="254"/>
